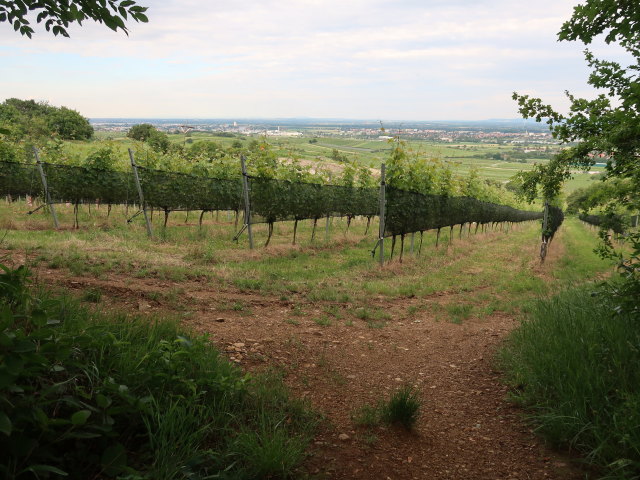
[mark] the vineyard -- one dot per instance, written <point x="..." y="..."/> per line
<point x="263" y="199"/>
<point x="320" y="313"/>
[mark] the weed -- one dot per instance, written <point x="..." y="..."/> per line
<point x="369" y="439"/>
<point x="459" y="312"/>
<point x="371" y="314"/>
<point x="245" y="284"/>
<point x="402" y="408"/>
<point x="292" y="321"/>
<point x="93" y="295"/>
<point x="238" y="306"/>
<point x="323" y="321"/>
<point x="366" y="416"/>
<point x="334" y="311"/>
<point x="376" y="324"/>
<point x="155" y="296"/>
<point x="412" y="310"/>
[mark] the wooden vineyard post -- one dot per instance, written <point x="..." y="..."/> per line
<point x="545" y="219"/>
<point x="326" y="230"/>
<point x="247" y="205"/>
<point x="47" y="195"/>
<point x="382" y="213"/>
<point x="545" y="222"/>
<point x="134" y="167"/>
<point x="326" y="227"/>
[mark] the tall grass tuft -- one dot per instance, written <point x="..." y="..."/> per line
<point x="403" y="408"/>
<point x="576" y="365"/>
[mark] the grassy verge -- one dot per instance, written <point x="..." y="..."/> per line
<point x="575" y="365"/>
<point x="93" y="396"/>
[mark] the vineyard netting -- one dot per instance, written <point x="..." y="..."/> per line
<point x="270" y="200"/>
<point x="554" y="220"/>
<point x="276" y="200"/>
<point x="613" y="222"/>
<point x="409" y="212"/>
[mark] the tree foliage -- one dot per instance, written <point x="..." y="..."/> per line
<point x="607" y="126"/>
<point x="58" y="15"/>
<point x="23" y="119"/>
<point x="145" y="132"/>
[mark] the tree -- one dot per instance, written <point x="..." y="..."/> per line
<point x="69" y="124"/>
<point x="141" y="131"/>
<point x="28" y="118"/>
<point x="605" y="127"/>
<point x="57" y="15"/>
<point x="159" y="141"/>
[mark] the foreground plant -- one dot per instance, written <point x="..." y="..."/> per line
<point x="87" y="397"/>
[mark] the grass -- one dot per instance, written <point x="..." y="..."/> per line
<point x="323" y="321"/>
<point x="459" y="312"/>
<point x="573" y="363"/>
<point x="366" y="416"/>
<point x="402" y="408"/>
<point x="148" y="399"/>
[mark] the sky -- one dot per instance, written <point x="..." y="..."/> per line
<point x="375" y="59"/>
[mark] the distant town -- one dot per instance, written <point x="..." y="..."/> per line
<point x="489" y="131"/>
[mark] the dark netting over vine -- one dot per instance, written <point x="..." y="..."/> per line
<point x="85" y="185"/>
<point x="19" y="179"/>
<point x="555" y="219"/>
<point x="168" y="190"/>
<point x="612" y="222"/>
<point x="408" y="212"/>
<point x="276" y="200"/>
<point x="67" y="183"/>
<point x="179" y="191"/>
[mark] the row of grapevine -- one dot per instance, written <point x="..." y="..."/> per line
<point x="616" y="223"/>
<point x="270" y="199"/>
<point x="555" y="217"/>
<point x="409" y="212"/>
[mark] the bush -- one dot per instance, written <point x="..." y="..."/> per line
<point x="574" y="362"/>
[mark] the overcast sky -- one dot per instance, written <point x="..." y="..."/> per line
<point x="374" y="59"/>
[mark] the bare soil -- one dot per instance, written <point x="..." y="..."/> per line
<point x="467" y="428"/>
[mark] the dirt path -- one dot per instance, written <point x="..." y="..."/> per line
<point x="467" y="429"/>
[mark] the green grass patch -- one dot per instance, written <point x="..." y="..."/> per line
<point x="574" y="363"/>
<point x="94" y="396"/>
<point x="401" y="408"/>
<point x="459" y="312"/>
